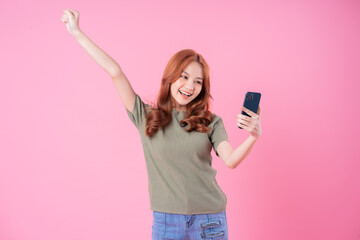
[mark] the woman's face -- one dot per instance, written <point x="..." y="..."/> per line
<point x="188" y="86"/>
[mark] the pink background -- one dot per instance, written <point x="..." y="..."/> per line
<point x="71" y="162"/>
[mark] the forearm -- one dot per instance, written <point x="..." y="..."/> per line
<point x="100" y="57"/>
<point x="240" y="153"/>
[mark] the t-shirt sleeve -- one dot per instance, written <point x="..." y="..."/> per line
<point x="137" y="116"/>
<point x="218" y="133"/>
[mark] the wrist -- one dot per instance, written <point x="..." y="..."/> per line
<point x="253" y="138"/>
<point x="78" y="34"/>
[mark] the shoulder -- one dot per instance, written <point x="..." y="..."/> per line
<point x="140" y="101"/>
<point x="216" y="122"/>
<point x="215" y="118"/>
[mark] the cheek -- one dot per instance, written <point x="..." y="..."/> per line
<point x="175" y="85"/>
<point x="173" y="89"/>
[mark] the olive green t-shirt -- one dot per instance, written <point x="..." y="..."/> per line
<point x="181" y="179"/>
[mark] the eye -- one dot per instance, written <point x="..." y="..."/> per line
<point x="184" y="76"/>
<point x="198" y="82"/>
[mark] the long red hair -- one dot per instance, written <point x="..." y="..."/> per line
<point x="197" y="115"/>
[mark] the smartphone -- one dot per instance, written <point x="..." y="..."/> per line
<point x="251" y="102"/>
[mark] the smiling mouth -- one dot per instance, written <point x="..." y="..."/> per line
<point x="185" y="94"/>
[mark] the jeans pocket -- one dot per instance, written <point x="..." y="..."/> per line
<point x="212" y="229"/>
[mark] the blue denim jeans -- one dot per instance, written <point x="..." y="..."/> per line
<point x="168" y="226"/>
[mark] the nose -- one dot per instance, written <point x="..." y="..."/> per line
<point x="189" y="85"/>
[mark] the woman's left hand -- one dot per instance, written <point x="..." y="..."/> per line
<point x="250" y="124"/>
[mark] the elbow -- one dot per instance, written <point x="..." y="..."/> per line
<point x="116" y="73"/>
<point x="233" y="166"/>
<point x="229" y="165"/>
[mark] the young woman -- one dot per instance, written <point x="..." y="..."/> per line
<point x="177" y="136"/>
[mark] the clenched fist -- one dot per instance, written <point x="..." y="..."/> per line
<point x="71" y="18"/>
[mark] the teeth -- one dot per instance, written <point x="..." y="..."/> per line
<point x="184" y="93"/>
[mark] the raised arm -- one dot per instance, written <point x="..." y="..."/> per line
<point x="122" y="84"/>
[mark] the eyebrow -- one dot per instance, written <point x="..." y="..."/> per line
<point x="189" y="75"/>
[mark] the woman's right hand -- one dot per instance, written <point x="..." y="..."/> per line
<point x="71" y="18"/>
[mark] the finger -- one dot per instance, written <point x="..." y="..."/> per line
<point x="66" y="16"/>
<point x="245" y="118"/>
<point x="259" y="111"/>
<point x="251" y="113"/>
<point x="243" y="126"/>
<point x="70" y="16"/>
<point x="74" y="12"/>
<point x="243" y="122"/>
<point x="70" y="11"/>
